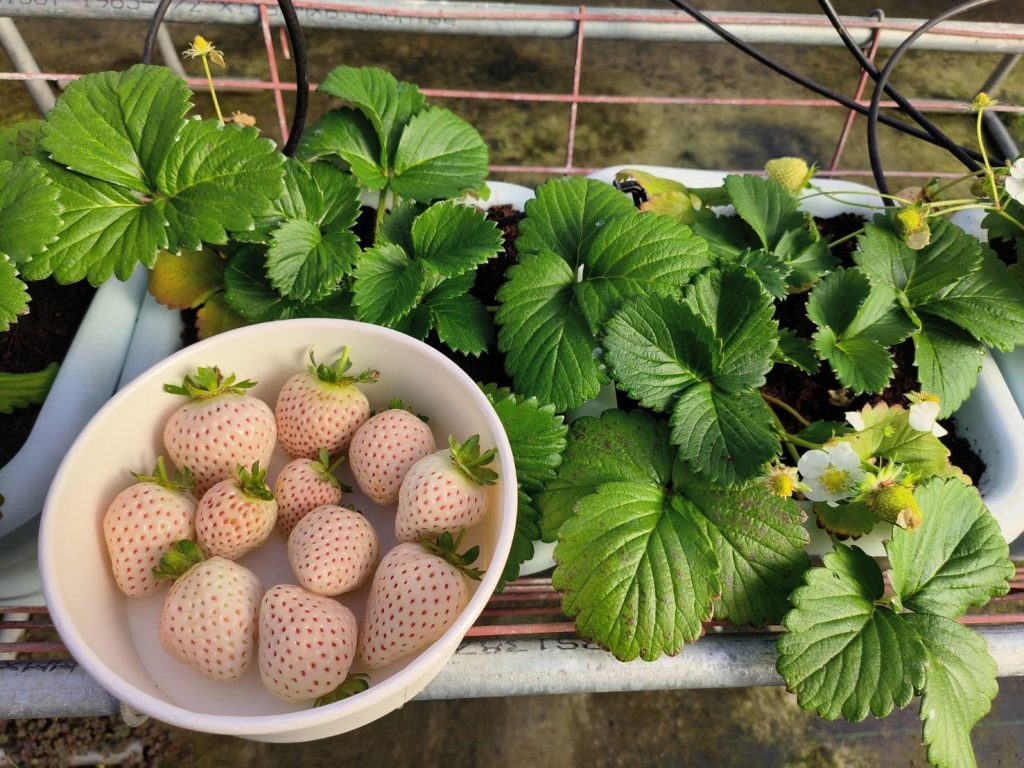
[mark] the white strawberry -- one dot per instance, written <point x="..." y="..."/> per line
<point x="384" y="449"/>
<point x="322" y="408"/>
<point x="209" y="617"/>
<point x="144" y="520"/>
<point x="417" y="593"/>
<point x="302" y="486"/>
<point x="445" y="492"/>
<point x="307" y="643"/>
<point x="333" y="550"/>
<point x="219" y="429"/>
<point x="236" y="515"/>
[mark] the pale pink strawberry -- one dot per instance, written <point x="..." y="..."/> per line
<point x="219" y="429"/>
<point x="384" y="449"/>
<point x="333" y="550"/>
<point x="307" y="643"/>
<point x="302" y="486"/>
<point x="417" y="594"/>
<point x="209" y="618"/>
<point x="237" y="515"/>
<point x="322" y="408"/>
<point x="445" y="492"/>
<point x="144" y="520"/>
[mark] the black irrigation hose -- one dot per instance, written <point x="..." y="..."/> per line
<point x="960" y="153"/>
<point x="298" y="49"/>
<point x="797" y="78"/>
<point x="883" y="78"/>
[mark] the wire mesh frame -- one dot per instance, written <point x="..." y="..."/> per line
<point x="580" y="16"/>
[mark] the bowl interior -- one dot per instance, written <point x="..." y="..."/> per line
<point x="117" y="640"/>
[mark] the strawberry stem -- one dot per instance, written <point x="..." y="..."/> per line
<point x="355" y="683"/>
<point x="182" y="480"/>
<point x="207" y="383"/>
<point x="253" y="482"/>
<point x="182" y="556"/>
<point x="447" y="548"/>
<point x="325" y="469"/>
<point x="467" y="457"/>
<point x="335" y="374"/>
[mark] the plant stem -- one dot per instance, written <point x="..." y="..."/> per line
<point x="954" y="182"/>
<point x="786" y="407"/>
<point x="801" y="442"/>
<point x="379" y="216"/>
<point x="844" y="238"/>
<point x="782" y="433"/>
<point x="213" y="91"/>
<point x="984" y="157"/>
<point x="836" y="196"/>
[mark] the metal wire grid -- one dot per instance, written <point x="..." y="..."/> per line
<point x="580" y="17"/>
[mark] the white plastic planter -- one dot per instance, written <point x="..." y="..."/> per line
<point x="989" y="419"/>
<point x="87" y="378"/>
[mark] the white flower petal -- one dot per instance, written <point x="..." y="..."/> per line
<point x="938" y="430"/>
<point x="1017" y="169"/>
<point x="812" y="464"/>
<point x="843" y="456"/>
<point x="923" y="415"/>
<point x="856" y="420"/>
<point x="1015" y="188"/>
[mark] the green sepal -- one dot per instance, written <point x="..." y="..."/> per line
<point x="324" y="467"/>
<point x="182" y="480"/>
<point x="253" y="482"/>
<point x="467" y="457"/>
<point x="207" y="383"/>
<point x="179" y="559"/>
<point x="335" y="373"/>
<point x="444" y="546"/>
<point x="356" y="682"/>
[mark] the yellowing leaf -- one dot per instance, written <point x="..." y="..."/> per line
<point x="187" y="280"/>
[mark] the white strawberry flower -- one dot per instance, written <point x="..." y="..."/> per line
<point x="856" y="420"/>
<point x="831" y="474"/>
<point x="1015" y="181"/>
<point x="924" y="412"/>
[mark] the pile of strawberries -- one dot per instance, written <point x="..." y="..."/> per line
<point x="217" y="611"/>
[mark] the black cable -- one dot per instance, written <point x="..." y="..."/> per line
<point x="797" y="78"/>
<point x="298" y="48"/>
<point x="883" y="78"/>
<point x="960" y="153"/>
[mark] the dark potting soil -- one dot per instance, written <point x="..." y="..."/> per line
<point x="36" y="340"/>
<point x="1005" y="250"/>
<point x="839" y="226"/>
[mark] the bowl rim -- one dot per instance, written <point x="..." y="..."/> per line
<point x="396" y="686"/>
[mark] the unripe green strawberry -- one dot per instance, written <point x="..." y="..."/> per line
<point x="793" y="173"/>
<point x="912" y="224"/>
<point x="894" y="503"/>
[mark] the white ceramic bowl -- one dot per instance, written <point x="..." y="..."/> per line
<point x="116" y="640"/>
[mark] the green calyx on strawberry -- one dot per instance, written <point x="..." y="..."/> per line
<point x="179" y="559"/>
<point x="397" y="404"/>
<point x="467" y="457"/>
<point x="181" y="482"/>
<point x="207" y="383"/>
<point x="448" y="548"/>
<point x="336" y="373"/>
<point x="357" y="682"/>
<point x="253" y="482"/>
<point x="325" y="469"/>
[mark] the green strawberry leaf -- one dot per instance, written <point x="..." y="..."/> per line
<point x="305" y="263"/>
<point x="823" y="431"/>
<point x="807" y="255"/>
<point x="397" y="225"/>
<point x="463" y="323"/>
<point x="637" y="570"/>
<point x="217" y="316"/>
<point x="303" y="197"/>
<point x="956" y="559"/>
<point x="340" y="193"/>
<point x="347" y="135"/>
<point x="187" y="280"/>
<point x="616" y="446"/>
<point x="769" y="268"/>
<point x="948" y="361"/>
<point x="248" y="292"/>
<point x="440" y="155"/>
<point x="548" y="348"/>
<point x="20" y="390"/>
<point x="765" y="205"/>
<point x="13" y="294"/>
<point x="452" y="239"/>
<point x="960" y="684"/>
<point x="849" y="520"/>
<point x="857" y="323"/>
<point x="842" y="654"/>
<point x="887" y="434"/>
<point x="29" y="209"/>
<point x="565" y="215"/>
<point x="388" y="284"/>
<point x="536" y="433"/>
<point x="119" y="127"/>
<point x="1001" y="228"/>
<point x="796" y="351"/>
<point x="527" y="532"/>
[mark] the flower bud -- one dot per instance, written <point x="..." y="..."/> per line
<point x="912" y="224"/>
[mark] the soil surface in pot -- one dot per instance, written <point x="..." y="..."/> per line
<point x="36" y="340"/>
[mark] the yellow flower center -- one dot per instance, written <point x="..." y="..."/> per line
<point x="835" y="480"/>
<point x="781" y="484"/>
